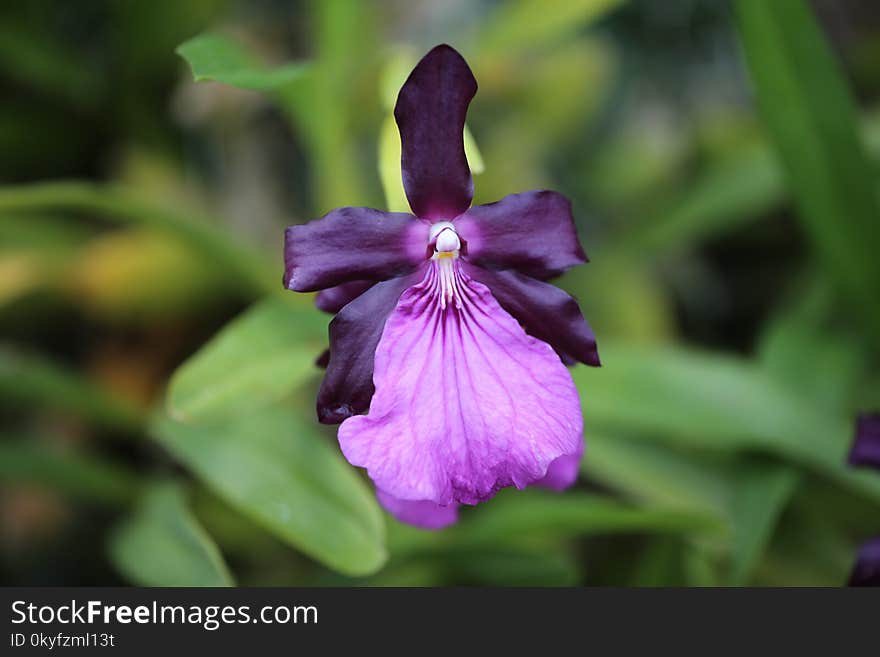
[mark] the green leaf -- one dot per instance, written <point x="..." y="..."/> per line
<point x="505" y="566"/>
<point x="762" y="492"/>
<point x="218" y="58"/>
<point x="809" y="115"/>
<point x="162" y="544"/>
<point x="488" y="565"/>
<point x="202" y="234"/>
<point x="659" y="563"/>
<point x="389" y="167"/>
<point x="793" y="347"/>
<point x="82" y="476"/>
<point x="335" y="98"/>
<point x="318" y="96"/>
<point x="396" y="68"/>
<point x="699" y="567"/>
<point x="715" y="401"/>
<point x="523" y="24"/>
<point x="740" y="186"/>
<point x="747" y="495"/>
<point x="800" y="340"/>
<point x="736" y="188"/>
<point x="106" y="278"/>
<point x="33" y="380"/>
<point x="255" y="360"/>
<point x="639" y="308"/>
<point x="523" y="514"/>
<point x="472" y="152"/>
<point x="658" y="474"/>
<point x="575" y="514"/>
<point x="279" y="471"/>
<point x="52" y="233"/>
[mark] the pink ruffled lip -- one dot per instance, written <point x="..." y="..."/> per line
<point x="466" y="403"/>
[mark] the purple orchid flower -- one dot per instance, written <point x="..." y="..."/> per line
<point x="866" y="452"/>
<point x="446" y="333"/>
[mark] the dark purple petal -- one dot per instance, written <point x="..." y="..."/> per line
<point x="866" y="572"/>
<point x="532" y="232"/>
<point x="354" y="333"/>
<point x="866" y="447"/>
<point x="430" y="113"/>
<point x="323" y="360"/>
<point x="350" y="244"/>
<point x="545" y="312"/>
<point x="333" y="299"/>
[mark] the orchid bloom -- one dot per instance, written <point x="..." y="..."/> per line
<point x="866" y="452"/>
<point x="446" y="334"/>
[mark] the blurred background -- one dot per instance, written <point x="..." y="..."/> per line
<point x="157" y="384"/>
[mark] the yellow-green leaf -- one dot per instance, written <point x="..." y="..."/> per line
<point x="162" y="544"/>
<point x="255" y="360"/>
<point x="280" y="471"/>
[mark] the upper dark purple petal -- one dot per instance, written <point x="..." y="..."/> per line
<point x="354" y="334"/>
<point x="866" y="571"/>
<point x="866" y="447"/>
<point x="545" y="311"/>
<point x="350" y="244"/>
<point x="532" y="232"/>
<point x="333" y="299"/>
<point x="430" y="114"/>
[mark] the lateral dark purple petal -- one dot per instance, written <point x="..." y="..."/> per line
<point x="354" y="334"/>
<point x="430" y="114"/>
<point x="532" y="232"/>
<point x="866" y="571"/>
<point x="333" y="299"/>
<point x="350" y="244"/>
<point x="545" y="312"/>
<point x="866" y="447"/>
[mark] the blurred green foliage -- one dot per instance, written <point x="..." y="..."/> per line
<point x="157" y="384"/>
<point x="162" y="542"/>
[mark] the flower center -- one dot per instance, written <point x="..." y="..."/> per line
<point x="447" y="246"/>
<point x="445" y="240"/>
